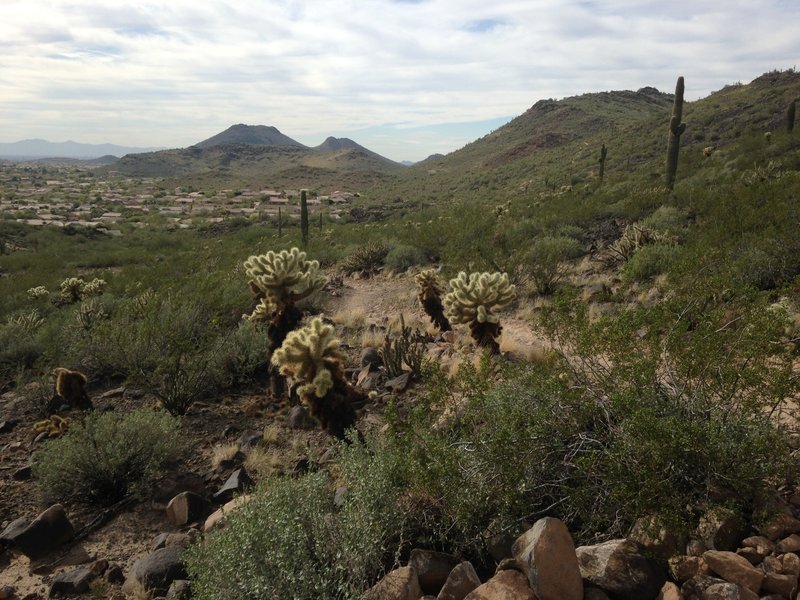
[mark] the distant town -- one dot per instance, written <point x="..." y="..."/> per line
<point x="67" y="195"/>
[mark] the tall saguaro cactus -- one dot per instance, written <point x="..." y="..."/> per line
<point x="676" y="128"/>
<point x="602" y="161"/>
<point x="304" y="217"/>
<point x="790" y="110"/>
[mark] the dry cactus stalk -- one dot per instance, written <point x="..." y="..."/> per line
<point x="474" y="299"/>
<point x="311" y="355"/>
<point x="430" y="297"/>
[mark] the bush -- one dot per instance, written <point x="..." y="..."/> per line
<point x="290" y="541"/>
<point x="402" y="256"/>
<point x="108" y="457"/>
<point x="649" y="261"/>
<point x="546" y="260"/>
<point x="366" y="260"/>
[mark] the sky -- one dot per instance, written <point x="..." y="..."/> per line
<point x="405" y="78"/>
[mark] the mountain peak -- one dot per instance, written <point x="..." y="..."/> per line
<point x="253" y="135"/>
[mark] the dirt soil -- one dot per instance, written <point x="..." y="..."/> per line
<point x="363" y="310"/>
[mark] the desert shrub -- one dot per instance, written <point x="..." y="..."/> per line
<point x="277" y="547"/>
<point x="546" y="261"/>
<point x="666" y="219"/>
<point x="366" y="260"/>
<point x="22" y="343"/>
<point x="241" y="356"/>
<point x="108" y="457"/>
<point x="402" y="256"/>
<point x="649" y="261"/>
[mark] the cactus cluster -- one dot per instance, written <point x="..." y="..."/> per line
<point x="74" y="289"/>
<point x="286" y="276"/>
<point x="430" y="297"/>
<point x="55" y="426"/>
<point x="279" y="279"/>
<point x="474" y="299"/>
<point x="37" y="292"/>
<point x="311" y="355"/>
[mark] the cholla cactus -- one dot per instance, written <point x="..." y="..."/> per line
<point x="285" y="277"/>
<point x="38" y="292"/>
<point x="75" y="288"/>
<point x="28" y="322"/>
<point x="278" y="280"/>
<point x="430" y="297"/>
<point x="71" y="289"/>
<point x="312" y="356"/>
<point x="474" y="299"/>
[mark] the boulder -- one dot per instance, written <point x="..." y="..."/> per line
<point x="47" y="531"/>
<point x="780" y="526"/>
<point x="300" y="418"/>
<point x="506" y="585"/>
<point x="727" y="591"/>
<point x="546" y="552"/>
<point x="656" y="540"/>
<point x="217" y="518"/>
<point x="72" y="583"/>
<point x="620" y="568"/>
<point x="460" y="582"/>
<point x="432" y="569"/>
<point x="734" y="569"/>
<point x="788" y="544"/>
<point x="721" y="529"/>
<point x="187" y="507"/>
<point x="783" y="584"/>
<point x="400" y="584"/>
<point x="684" y="568"/>
<point x="669" y="591"/>
<point x="156" y="572"/>
<point x="238" y="482"/>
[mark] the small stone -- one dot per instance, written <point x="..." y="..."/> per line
<point x="791" y="564"/>
<point x="371" y="358"/>
<point x="722" y="529"/>
<point x="7" y="592"/>
<point x="400" y="584"/>
<point x="187" y="507"/>
<point x="300" y="418"/>
<point x="238" y="482"/>
<point x="670" y="591"/>
<point x="399" y="384"/>
<point x="684" y="568"/>
<point x="460" y="582"/>
<point x="155" y="572"/>
<point x="114" y="574"/>
<point x="72" y="583"/>
<point x="180" y="589"/>
<point x="250" y="439"/>
<point x="117" y="392"/>
<point x="780" y="526"/>
<point x="753" y="556"/>
<point x="734" y="569"/>
<point x="7" y="425"/>
<point x="788" y="544"/>
<point x="760" y="543"/>
<point x="432" y="568"/>
<point x="22" y="474"/>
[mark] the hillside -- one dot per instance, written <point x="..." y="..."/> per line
<point x="36" y="149"/>
<point x="255" y="135"/>
<point x="557" y="142"/>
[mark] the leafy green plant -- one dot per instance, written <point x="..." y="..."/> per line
<point x="402" y="256"/>
<point x="649" y="261"/>
<point x="546" y="261"/>
<point x="108" y="457"/>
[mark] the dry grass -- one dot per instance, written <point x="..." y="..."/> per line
<point x="264" y="462"/>
<point x="352" y="318"/>
<point x="531" y="352"/>
<point x="272" y="435"/>
<point x="221" y="453"/>
<point x="372" y="338"/>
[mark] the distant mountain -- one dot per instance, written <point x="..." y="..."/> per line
<point x="259" y="152"/>
<point x="333" y="144"/>
<point x="35" y="149"/>
<point x="251" y="135"/>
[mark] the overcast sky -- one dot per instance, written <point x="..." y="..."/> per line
<point x="405" y="78"/>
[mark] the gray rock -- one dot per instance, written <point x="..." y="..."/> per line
<point x="22" y="474"/>
<point x="620" y="568"/>
<point x="432" y="568"/>
<point x="237" y="483"/>
<point x="300" y="418"/>
<point x="460" y="582"/>
<point x="48" y="531"/>
<point x="187" y="507"/>
<point x="398" y="384"/>
<point x="156" y="572"/>
<point x="547" y="554"/>
<point x="371" y="358"/>
<point x="180" y="589"/>
<point x="72" y="583"/>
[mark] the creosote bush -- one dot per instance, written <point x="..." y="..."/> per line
<point x="108" y="457"/>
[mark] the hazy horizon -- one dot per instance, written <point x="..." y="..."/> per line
<point x="404" y="78"/>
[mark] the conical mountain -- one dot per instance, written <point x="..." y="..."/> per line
<point x="252" y="135"/>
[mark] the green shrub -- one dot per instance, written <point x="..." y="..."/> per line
<point x="546" y="261"/>
<point x="290" y="541"/>
<point x="366" y="260"/>
<point x="108" y="457"/>
<point x="666" y="219"/>
<point x="649" y="261"/>
<point x="402" y="256"/>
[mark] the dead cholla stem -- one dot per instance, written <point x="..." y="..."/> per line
<point x="430" y="298"/>
<point x="407" y="348"/>
<point x="474" y="299"/>
<point x="312" y="355"/>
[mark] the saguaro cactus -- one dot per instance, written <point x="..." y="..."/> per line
<point x="790" y="110"/>
<point x="676" y="128"/>
<point x="304" y="217"/>
<point x="473" y="300"/>
<point x="602" y="161"/>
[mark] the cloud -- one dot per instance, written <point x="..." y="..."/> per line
<point x="171" y="73"/>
